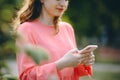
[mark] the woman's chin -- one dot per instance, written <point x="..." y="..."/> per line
<point x="58" y="15"/>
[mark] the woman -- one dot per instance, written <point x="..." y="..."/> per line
<point x="40" y="24"/>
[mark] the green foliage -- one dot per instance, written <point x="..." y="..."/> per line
<point x="8" y="77"/>
<point x="92" y="18"/>
<point x="104" y="76"/>
<point x="37" y="54"/>
<point x="3" y="68"/>
<point x="7" y="11"/>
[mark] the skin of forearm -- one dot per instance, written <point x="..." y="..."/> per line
<point x="61" y="64"/>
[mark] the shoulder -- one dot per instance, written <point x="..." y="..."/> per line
<point x="66" y="25"/>
<point x="26" y="26"/>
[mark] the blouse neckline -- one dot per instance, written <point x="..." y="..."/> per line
<point x="49" y="26"/>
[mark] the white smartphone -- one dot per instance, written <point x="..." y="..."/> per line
<point x="89" y="48"/>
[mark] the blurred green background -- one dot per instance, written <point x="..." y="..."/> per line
<point x="94" y="22"/>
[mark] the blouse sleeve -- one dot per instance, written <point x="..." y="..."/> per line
<point x="27" y="68"/>
<point x="80" y="70"/>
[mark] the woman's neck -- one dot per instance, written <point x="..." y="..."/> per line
<point x="46" y="19"/>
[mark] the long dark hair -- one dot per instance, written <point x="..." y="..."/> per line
<point x="30" y="11"/>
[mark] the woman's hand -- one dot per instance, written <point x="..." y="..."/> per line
<point x="71" y="59"/>
<point x="89" y="59"/>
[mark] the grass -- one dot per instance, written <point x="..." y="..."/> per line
<point x="104" y="76"/>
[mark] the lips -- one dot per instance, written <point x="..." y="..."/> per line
<point x="60" y="9"/>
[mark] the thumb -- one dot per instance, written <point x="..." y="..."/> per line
<point x="75" y="50"/>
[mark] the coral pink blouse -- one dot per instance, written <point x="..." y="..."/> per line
<point x="42" y="35"/>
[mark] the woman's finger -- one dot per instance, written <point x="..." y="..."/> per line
<point x="89" y="62"/>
